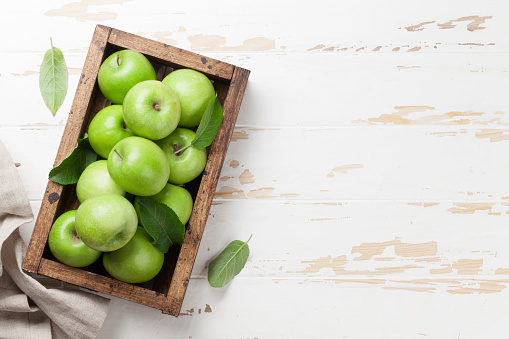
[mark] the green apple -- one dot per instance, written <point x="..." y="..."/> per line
<point x="106" y="222"/>
<point x="175" y="197"/>
<point x="151" y="110"/>
<point x="194" y="91"/>
<point x="185" y="165"/>
<point x="121" y="71"/>
<point x="106" y="129"/>
<point x="65" y="244"/>
<point x="136" y="262"/>
<point x="139" y="166"/>
<point x="95" y="180"/>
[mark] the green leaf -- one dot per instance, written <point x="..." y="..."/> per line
<point x="53" y="79"/>
<point x="162" y="223"/>
<point x="209" y="124"/>
<point x="69" y="170"/>
<point x="228" y="263"/>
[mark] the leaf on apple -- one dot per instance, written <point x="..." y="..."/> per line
<point x="53" y="78"/>
<point x="162" y="224"/>
<point x="70" y="169"/>
<point x="209" y="124"/>
<point x="228" y="263"/>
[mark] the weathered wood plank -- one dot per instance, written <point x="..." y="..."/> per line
<point x="297" y="308"/>
<point x="172" y="55"/>
<point x="331" y="27"/>
<point x="101" y="283"/>
<point x="395" y="243"/>
<point x="342" y="90"/>
<point x="396" y="163"/>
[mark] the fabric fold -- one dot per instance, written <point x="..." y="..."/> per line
<point x="27" y="308"/>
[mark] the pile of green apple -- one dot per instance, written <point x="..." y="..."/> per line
<point x="144" y="139"/>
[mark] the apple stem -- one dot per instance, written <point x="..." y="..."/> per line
<point x="118" y="59"/>
<point x="180" y="150"/>
<point x="115" y="150"/>
<point x="157" y="107"/>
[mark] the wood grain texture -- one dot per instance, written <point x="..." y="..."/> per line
<point x="330" y="27"/>
<point x="173" y="56"/>
<point x="101" y="283"/>
<point x="475" y="86"/>
<point x="392" y="313"/>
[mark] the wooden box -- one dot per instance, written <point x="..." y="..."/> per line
<point x="166" y="291"/>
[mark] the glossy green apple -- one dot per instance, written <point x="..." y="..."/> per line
<point x="65" y="244"/>
<point x="136" y="262"/>
<point x="194" y="91"/>
<point x="106" y="222"/>
<point x="139" y="166"/>
<point x="175" y="197"/>
<point x="95" y="180"/>
<point x="151" y="110"/>
<point x="106" y="129"/>
<point x="186" y="165"/>
<point x="121" y="71"/>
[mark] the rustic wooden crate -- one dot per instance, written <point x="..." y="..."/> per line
<point x="166" y="291"/>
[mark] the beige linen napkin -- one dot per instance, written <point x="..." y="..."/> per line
<point x="28" y="309"/>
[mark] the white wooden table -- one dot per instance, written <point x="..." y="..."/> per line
<point x="370" y="160"/>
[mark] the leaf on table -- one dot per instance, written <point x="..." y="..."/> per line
<point x="228" y="263"/>
<point x="53" y="79"/>
<point x="209" y="124"/>
<point x="162" y="224"/>
<point x="70" y="169"/>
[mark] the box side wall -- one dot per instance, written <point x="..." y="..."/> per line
<point x="232" y="95"/>
<point x="53" y="197"/>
